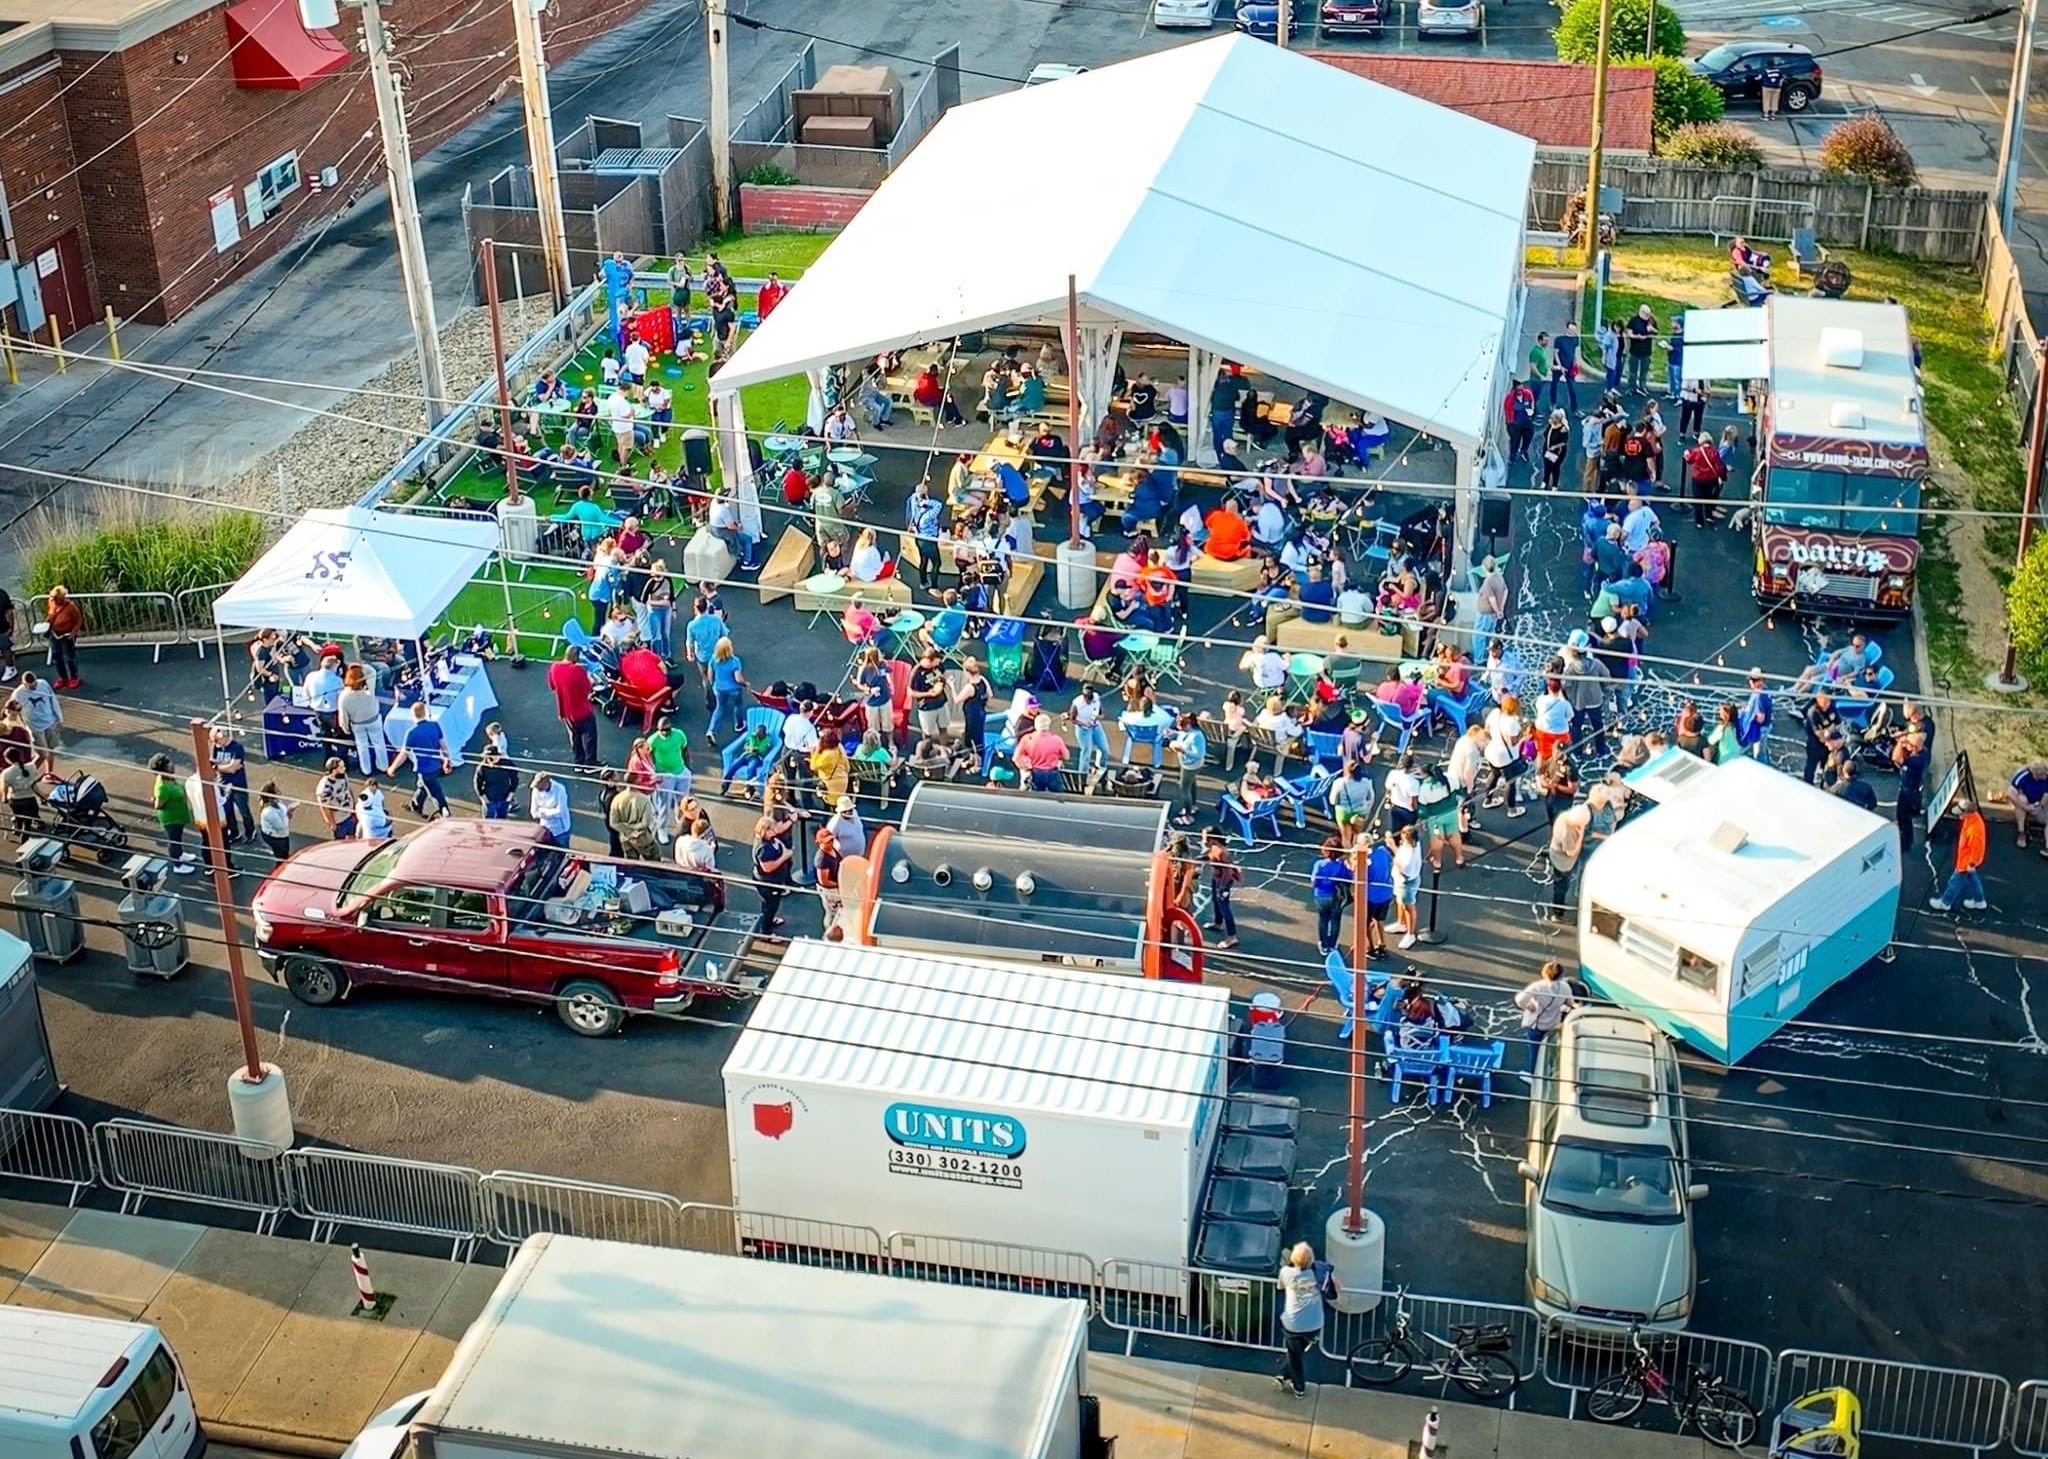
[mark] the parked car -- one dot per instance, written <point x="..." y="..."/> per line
<point x="1189" y="14"/>
<point x="1261" y="21"/>
<point x="1736" y="70"/>
<point x="1353" y="17"/>
<point x="491" y="907"/>
<point x="1607" y="1182"/>
<point x="1450" y="17"/>
<point x="1046" y="71"/>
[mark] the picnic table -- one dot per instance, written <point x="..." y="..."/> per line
<point x="1000" y="448"/>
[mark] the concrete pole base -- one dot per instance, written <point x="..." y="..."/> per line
<point x="1359" y="1259"/>
<point x="262" y="1111"/>
<point x="1075" y="564"/>
<point x="1998" y="686"/>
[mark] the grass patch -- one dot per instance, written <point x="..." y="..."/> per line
<point x="754" y="254"/>
<point x="141" y="545"/>
<point x="1965" y="396"/>
<point x="541" y="601"/>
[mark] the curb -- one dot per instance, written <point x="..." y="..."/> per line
<point x="296" y="1446"/>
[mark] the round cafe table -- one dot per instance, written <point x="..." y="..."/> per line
<point x="1139" y="645"/>
<point x="903" y="627"/>
<point x="782" y="445"/>
<point x="845" y="455"/>
<point x="1302" y="669"/>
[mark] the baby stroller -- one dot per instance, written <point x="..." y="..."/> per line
<point x="84" y="822"/>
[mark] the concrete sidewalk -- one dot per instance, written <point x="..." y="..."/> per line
<point x="276" y="1361"/>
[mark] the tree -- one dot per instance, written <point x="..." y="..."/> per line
<point x="2026" y="607"/>
<point x="1867" y="147"/>
<point x="1680" y="99"/>
<point x="1578" y="31"/>
<point x="1713" y="144"/>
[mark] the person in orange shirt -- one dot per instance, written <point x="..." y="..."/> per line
<point x="1966" y="886"/>
<point x="1230" y="536"/>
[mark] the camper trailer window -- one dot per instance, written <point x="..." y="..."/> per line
<point x="1697" y="971"/>
<point x="1639" y="941"/>
<point x="1760" y="968"/>
<point x="1606" y="922"/>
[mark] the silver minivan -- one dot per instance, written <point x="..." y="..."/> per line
<point x="91" y="1388"/>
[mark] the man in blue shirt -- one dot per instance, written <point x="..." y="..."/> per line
<point x="231" y="773"/>
<point x="1328" y="880"/>
<point x="1753" y="720"/>
<point x="948" y="624"/>
<point x="2029" y="797"/>
<point x="592" y="521"/>
<point x="700" y="638"/>
<point x="426" y="750"/>
<point x="1317" y="596"/>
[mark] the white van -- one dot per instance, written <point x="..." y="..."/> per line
<point x="90" y="1388"/>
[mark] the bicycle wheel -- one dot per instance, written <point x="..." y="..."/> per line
<point x="1485" y="1375"/>
<point x="1725" y="1418"/>
<point x="1379" y="1361"/>
<point x="1614" y="1398"/>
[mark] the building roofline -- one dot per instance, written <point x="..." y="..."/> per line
<point x="89" y="25"/>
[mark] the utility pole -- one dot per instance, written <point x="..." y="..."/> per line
<point x="540" y="145"/>
<point x="2037" y="446"/>
<point x="721" y="116"/>
<point x="1650" y="33"/>
<point x="2013" y="141"/>
<point x="1355" y="1184"/>
<point x="1286" y="20"/>
<point x="1590" y="219"/>
<point x="1074" y="464"/>
<point x="405" y="215"/>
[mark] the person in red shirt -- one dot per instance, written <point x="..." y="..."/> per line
<point x="796" y="487"/>
<point x="1039" y="755"/>
<point x="1230" y="535"/>
<point x="570" y="683"/>
<point x="771" y="294"/>
<point x="642" y="671"/>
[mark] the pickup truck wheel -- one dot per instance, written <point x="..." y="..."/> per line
<point x="590" y="1009"/>
<point x="313" y="981"/>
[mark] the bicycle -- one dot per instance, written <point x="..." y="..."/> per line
<point x="1476" y="1357"/>
<point x="1724" y="1416"/>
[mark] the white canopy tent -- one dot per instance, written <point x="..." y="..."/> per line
<point x="1258" y="205"/>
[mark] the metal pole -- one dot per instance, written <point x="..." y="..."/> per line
<point x="405" y="215"/>
<point x="1074" y="467"/>
<point x="1650" y="33"/>
<point x="2037" y="446"/>
<point x="1286" y="19"/>
<point x="113" y="335"/>
<point x="721" y="116"/>
<point x="1436" y="880"/>
<point x="7" y="353"/>
<point x="224" y="894"/>
<point x="2011" y="143"/>
<point x="1354" y="1220"/>
<point x="540" y="146"/>
<point x="57" y="344"/>
<point x="490" y="249"/>
<point x="1591" y="218"/>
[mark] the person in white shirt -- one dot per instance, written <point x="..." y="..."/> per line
<point x="1354" y="607"/>
<point x="847" y="829"/>
<point x="1266" y="664"/>
<point x="696" y="852"/>
<point x="619" y="411"/>
<point x="549" y="806"/>
<point x="839" y="427"/>
<point x="868" y="561"/>
<point x="1278" y="720"/>
<point x="1091" y="741"/>
<point x="1402" y="789"/>
<point x="373" y="821"/>
<point x="799" y="733"/>
<point x="1637" y="525"/>
<point x="611" y="369"/>
<point x="1269" y="525"/>
<point x="1544" y="1003"/>
<point x="726" y="527"/>
<point x="323" y="687"/>
<point x="1504" y="731"/>
<point x="1467" y="758"/>
<point x="636" y="361"/>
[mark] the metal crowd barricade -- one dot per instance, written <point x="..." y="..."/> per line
<point x="150" y="618"/>
<point x="518" y="1205"/>
<point x="1436" y="1316"/>
<point x="1950" y="1407"/>
<point x="143" y="1160"/>
<point x="1140" y="1298"/>
<point x="796" y="1240"/>
<point x="54" y="1149"/>
<point x="1578" y="1354"/>
<point x="999" y="1265"/>
<point x="337" y="1188"/>
<point x="2029" y="1426"/>
<point x="195" y="614"/>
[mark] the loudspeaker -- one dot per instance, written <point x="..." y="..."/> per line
<point x="1494" y="514"/>
<point x="697" y="454"/>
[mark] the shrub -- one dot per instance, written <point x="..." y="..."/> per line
<point x="1867" y="147"/>
<point x="2026" y="608"/>
<point x="1680" y="99"/>
<point x="1712" y="144"/>
<point x="1578" y="31"/>
<point x="139" y="545"/>
<point x="767" y="174"/>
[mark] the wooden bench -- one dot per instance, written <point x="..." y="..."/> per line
<point x="1298" y="635"/>
<point x="789" y="564"/>
<point x="1194" y="476"/>
<point x="1239" y="574"/>
<point x="1025" y="575"/>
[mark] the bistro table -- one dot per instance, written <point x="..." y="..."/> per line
<point x="1302" y="670"/>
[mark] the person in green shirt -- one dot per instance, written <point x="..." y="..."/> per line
<point x="173" y="812"/>
<point x="1539" y="361"/>
<point x="669" y="748"/>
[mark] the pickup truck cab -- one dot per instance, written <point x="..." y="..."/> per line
<point x="493" y="907"/>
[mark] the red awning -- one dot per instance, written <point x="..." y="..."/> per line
<point x="273" y="51"/>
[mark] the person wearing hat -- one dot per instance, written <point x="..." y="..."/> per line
<point x="1753" y="720"/>
<point x="846" y="827"/>
<point x="1966" y="886"/>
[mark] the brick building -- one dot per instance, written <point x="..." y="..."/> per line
<point x="152" y="149"/>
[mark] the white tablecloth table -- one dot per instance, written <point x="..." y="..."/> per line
<point x="459" y="705"/>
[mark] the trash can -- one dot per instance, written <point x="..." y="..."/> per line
<point x="46" y="913"/>
<point x="1230" y="1254"/>
<point x="1266" y="1157"/>
<point x="1243" y="1198"/>
<point x="1262" y="1114"/>
<point x="153" y="931"/>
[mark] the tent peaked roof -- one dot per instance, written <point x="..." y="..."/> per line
<point x="359" y="571"/>
<point x="1334" y="232"/>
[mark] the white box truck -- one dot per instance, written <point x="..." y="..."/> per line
<point x="994" y="1105"/>
<point x="597" y="1350"/>
<point x="76" y="1387"/>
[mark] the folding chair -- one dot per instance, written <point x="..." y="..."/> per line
<point x="1403" y="725"/>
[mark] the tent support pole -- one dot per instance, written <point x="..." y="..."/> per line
<point x="227" y="696"/>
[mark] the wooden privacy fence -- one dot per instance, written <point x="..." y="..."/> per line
<point x="1942" y="225"/>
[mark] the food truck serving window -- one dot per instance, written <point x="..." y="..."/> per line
<point x="1843" y="501"/>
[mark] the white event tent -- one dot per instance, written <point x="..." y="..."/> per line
<point x="1253" y="203"/>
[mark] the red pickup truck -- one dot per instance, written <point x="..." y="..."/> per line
<point x="491" y="907"/>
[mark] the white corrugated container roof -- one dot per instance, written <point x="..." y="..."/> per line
<point x="1054" y="1039"/>
<point x="630" y="1350"/>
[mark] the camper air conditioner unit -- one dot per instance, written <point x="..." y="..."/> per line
<point x="1845" y="417"/>
<point x="1841" y="349"/>
<point x="1728" y="838"/>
